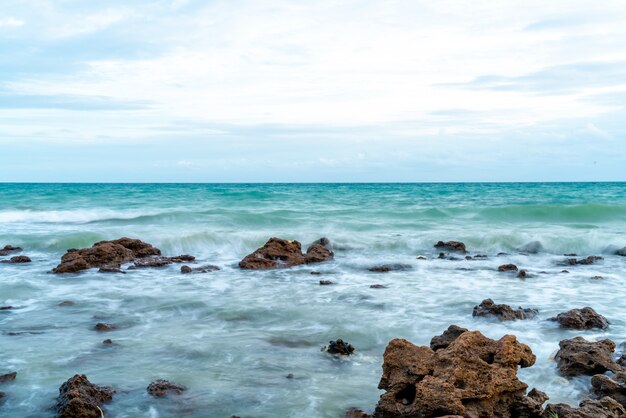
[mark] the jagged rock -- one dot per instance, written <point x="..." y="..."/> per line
<point x="451" y="246"/>
<point x="533" y="247"/>
<point x="473" y="377"/>
<point x="585" y="318"/>
<point x="161" y="388"/>
<point x="79" y="398"/>
<point x="613" y="387"/>
<point x="105" y="253"/>
<point x="584" y="261"/>
<point x="578" y="356"/>
<point x="160" y="261"/>
<point x="102" y="327"/>
<point x="340" y="347"/>
<point x="280" y="253"/>
<point x="502" y="312"/>
<point x="444" y="340"/>
<point x="603" y="408"/>
<point x="507" y="267"/>
<point x="385" y="268"/>
<point x="202" y="269"/>
<point x="7" y="377"/>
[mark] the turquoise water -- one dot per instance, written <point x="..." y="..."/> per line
<point x="232" y="336"/>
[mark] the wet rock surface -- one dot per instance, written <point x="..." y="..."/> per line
<point x="473" y="377"/>
<point x="111" y="269"/>
<point x="507" y="267"/>
<point x="356" y="413"/>
<point x="102" y="327"/>
<point x="160" y="261"/>
<point x="325" y="282"/>
<point x="585" y="318"/>
<point x="105" y="253"/>
<point x="578" y="356"/>
<point x="281" y="253"/>
<point x="385" y="268"/>
<point x="79" y="398"/>
<point x="583" y="261"/>
<point x="8" y="377"/>
<point x="451" y="246"/>
<point x="17" y="259"/>
<point x="449" y="335"/>
<point x="621" y="251"/>
<point x="339" y="347"/>
<point x="161" y="388"/>
<point x="614" y="386"/>
<point x="8" y="249"/>
<point x="603" y="408"/>
<point x="502" y="312"/>
<point x="202" y="269"/>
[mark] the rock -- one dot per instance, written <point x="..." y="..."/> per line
<point x="503" y="312"/>
<point x="66" y="303"/>
<point x="6" y="308"/>
<point x="473" y="377"/>
<point x="356" y="413"/>
<point x="160" y="261"/>
<point x="444" y="340"/>
<point x="79" y="398"/>
<point x="2" y="395"/>
<point x="385" y="268"/>
<point x="107" y="342"/>
<point x="584" y="261"/>
<point x="161" y="388"/>
<point x="421" y="257"/>
<point x="603" y="408"/>
<point x="280" y="253"/>
<point x="378" y="286"/>
<point x="339" y="347"/>
<point x="622" y="360"/>
<point x="316" y="273"/>
<point x="621" y="252"/>
<point x="325" y="282"/>
<point x="507" y="267"/>
<point x="324" y="242"/>
<point x="202" y="269"/>
<point x="483" y="256"/>
<point x="289" y="376"/>
<point x="565" y="271"/>
<point x="468" y="257"/>
<point x="451" y="246"/>
<point x="578" y="356"/>
<point x="585" y="318"/>
<point x="533" y="247"/>
<point x="441" y="255"/>
<point x="111" y="269"/>
<point x="102" y="327"/>
<point x="615" y="387"/>
<point x="17" y="260"/>
<point x="522" y="274"/>
<point x="9" y="249"/>
<point x="105" y="253"/>
<point x="7" y="377"/>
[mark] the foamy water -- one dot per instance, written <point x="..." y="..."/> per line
<point x="233" y="336"/>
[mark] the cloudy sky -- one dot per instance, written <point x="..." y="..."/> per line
<point x="277" y="90"/>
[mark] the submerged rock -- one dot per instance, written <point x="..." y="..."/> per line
<point x="7" y="377"/>
<point x="378" y="286"/>
<point x="473" y="377"/>
<point x="161" y="388"/>
<point x="385" y="268"/>
<point x="111" y="269"/>
<point x="202" y="269"/>
<point x="522" y="274"/>
<point x="105" y="253"/>
<point x="444" y="340"/>
<point x="339" y="347"/>
<point x="613" y="387"/>
<point x="503" y="312"/>
<point x="578" y="356"/>
<point x="7" y="249"/>
<point x="17" y="259"/>
<point x="451" y="246"/>
<point x="102" y="327"/>
<point x="281" y="253"/>
<point x="507" y="267"/>
<point x="6" y="308"/>
<point x="584" y="261"/>
<point x="160" y="261"/>
<point x="585" y="318"/>
<point x="66" y="303"/>
<point x="325" y="282"/>
<point x="603" y="408"/>
<point x="79" y="398"/>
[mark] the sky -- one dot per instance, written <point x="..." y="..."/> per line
<point x="323" y="91"/>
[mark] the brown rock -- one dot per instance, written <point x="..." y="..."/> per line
<point x="79" y="398"/>
<point x="202" y="269"/>
<point x="339" y="347"/>
<point x="9" y="249"/>
<point x="503" y="312"/>
<point x="17" y="260"/>
<point x="451" y="246"/>
<point x="585" y="318"/>
<point x="111" y="269"/>
<point x="280" y="253"/>
<point x="522" y="274"/>
<point x="473" y="377"/>
<point x="356" y="413"/>
<point x="507" y="267"/>
<point x="161" y="388"/>
<point x="614" y="387"/>
<point x="578" y="356"/>
<point x="104" y="253"/>
<point x="160" y="261"/>
<point x="603" y="408"/>
<point x="622" y="360"/>
<point x="584" y="261"/>
<point x="102" y="327"/>
<point x="444" y="340"/>
<point x="385" y="268"/>
<point x="7" y="377"/>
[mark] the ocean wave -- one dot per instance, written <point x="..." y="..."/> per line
<point x="71" y="216"/>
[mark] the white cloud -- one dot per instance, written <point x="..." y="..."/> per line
<point x="11" y="22"/>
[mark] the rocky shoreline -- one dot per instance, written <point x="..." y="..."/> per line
<point x="461" y="374"/>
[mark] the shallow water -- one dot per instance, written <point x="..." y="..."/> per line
<point x="233" y="336"/>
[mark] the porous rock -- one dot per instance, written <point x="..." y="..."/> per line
<point x="444" y="340"/>
<point x="473" y="377"/>
<point x="603" y="408"/>
<point x="281" y="253"/>
<point x="79" y="398"/>
<point x="585" y="318"/>
<point x="614" y="387"/>
<point x="578" y="356"/>
<point x="161" y="388"/>
<point x="503" y="312"/>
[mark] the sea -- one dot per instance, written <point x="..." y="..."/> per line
<point x="248" y="343"/>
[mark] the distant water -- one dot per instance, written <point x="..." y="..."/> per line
<point x="233" y="336"/>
